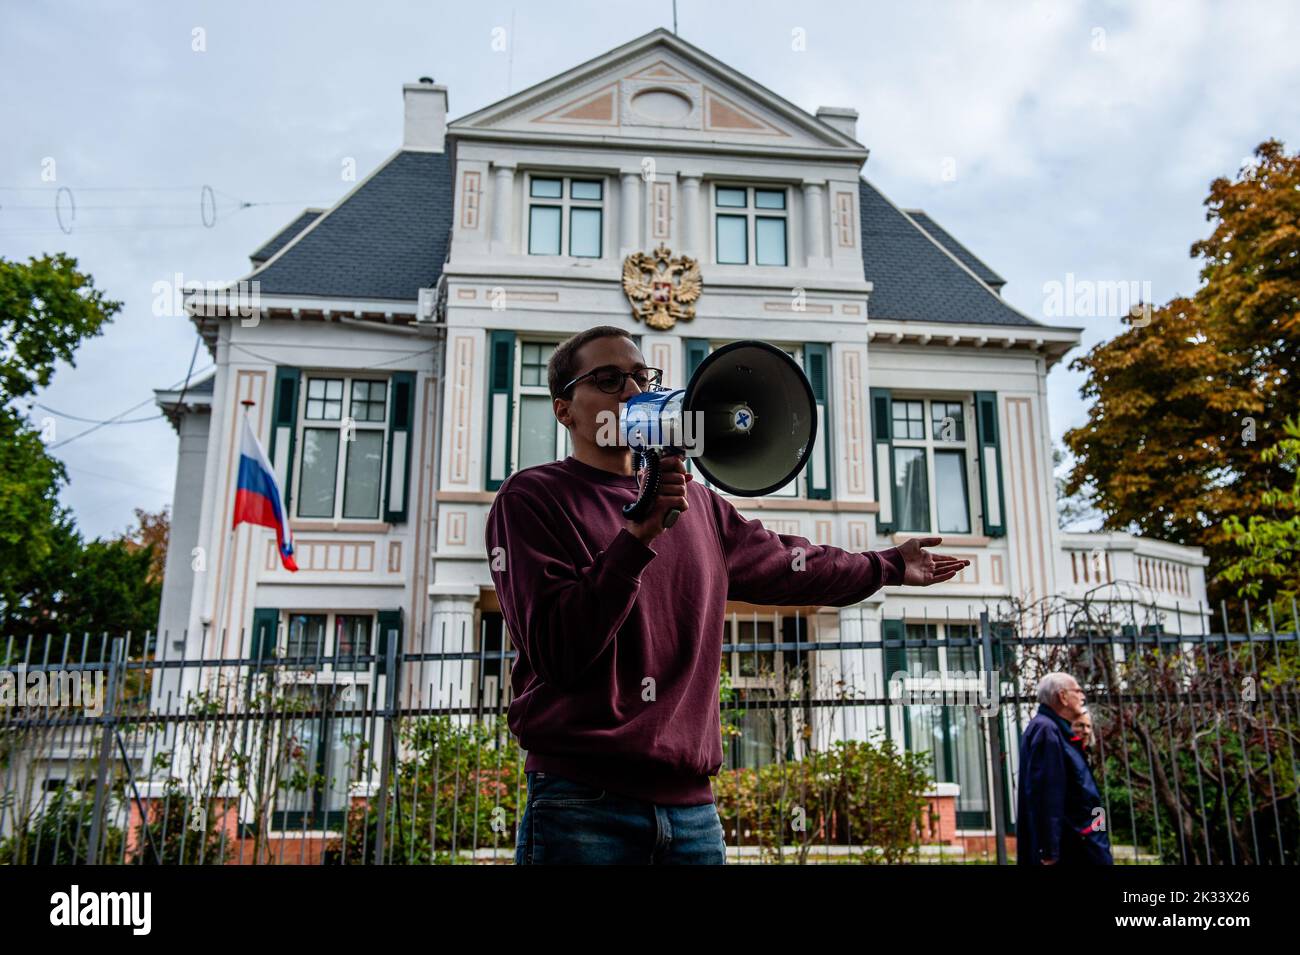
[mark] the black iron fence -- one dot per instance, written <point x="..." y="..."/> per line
<point x="847" y="738"/>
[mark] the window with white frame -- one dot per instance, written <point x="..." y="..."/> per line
<point x="539" y="437"/>
<point x="320" y="758"/>
<point x="316" y="642"/>
<point x="321" y="741"/>
<point x="750" y="225"/>
<point x="768" y="733"/>
<point x="566" y="216"/>
<point x="342" y="431"/>
<point x="952" y="735"/>
<point x="521" y="427"/>
<point x="932" y="457"/>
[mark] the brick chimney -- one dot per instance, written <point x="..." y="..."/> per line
<point x="426" y="115"/>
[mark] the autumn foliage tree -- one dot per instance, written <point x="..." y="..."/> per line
<point x="1184" y="400"/>
<point x="151" y="530"/>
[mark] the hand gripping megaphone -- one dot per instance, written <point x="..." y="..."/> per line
<point x="747" y="418"/>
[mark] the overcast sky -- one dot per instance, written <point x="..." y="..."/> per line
<point x="1052" y="139"/>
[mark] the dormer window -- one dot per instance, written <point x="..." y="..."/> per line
<point x="565" y="213"/>
<point x="750" y="225"/>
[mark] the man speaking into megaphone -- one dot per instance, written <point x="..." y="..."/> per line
<point x="618" y="620"/>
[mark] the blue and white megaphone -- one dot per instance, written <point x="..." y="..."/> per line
<point x="747" y="418"/>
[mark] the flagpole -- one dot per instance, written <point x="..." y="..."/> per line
<point x="228" y="584"/>
<point x="229" y="593"/>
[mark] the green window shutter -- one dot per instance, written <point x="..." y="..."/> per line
<point x="816" y="362"/>
<point x="284" y="426"/>
<point x="697" y="349"/>
<point x="882" y="416"/>
<point x="990" y="461"/>
<point x="400" y="414"/>
<point x="500" y="407"/>
<point x="1004" y="630"/>
<point x="895" y="657"/>
<point x="266" y="625"/>
<point x="389" y="625"/>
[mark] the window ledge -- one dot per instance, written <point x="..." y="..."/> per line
<point x="344" y="527"/>
<point x="949" y="540"/>
<point x="755" y="503"/>
<point x="800" y="504"/>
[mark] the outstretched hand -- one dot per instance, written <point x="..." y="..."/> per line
<point x="923" y="568"/>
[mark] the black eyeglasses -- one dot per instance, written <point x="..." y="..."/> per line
<point x="610" y="380"/>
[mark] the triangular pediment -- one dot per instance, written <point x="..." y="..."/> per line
<point x="657" y="87"/>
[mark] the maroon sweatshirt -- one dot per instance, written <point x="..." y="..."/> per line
<point x="620" y="644"/>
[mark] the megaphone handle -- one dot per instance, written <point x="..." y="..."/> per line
<point x="640" y="508"/>
<point x="671" y="515"/>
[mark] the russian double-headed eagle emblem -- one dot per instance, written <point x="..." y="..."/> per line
<point x="662" y="288"/>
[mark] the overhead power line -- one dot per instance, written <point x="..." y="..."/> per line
<point x="72" y="417"/>
<point x="117" y="418"/>
<point x="62" y="202"/>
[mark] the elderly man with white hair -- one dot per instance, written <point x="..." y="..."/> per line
<point x="1059" y="816"/>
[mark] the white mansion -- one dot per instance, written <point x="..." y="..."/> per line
<point x="395" y="371"/>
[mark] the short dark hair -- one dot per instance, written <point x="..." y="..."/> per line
<point x="563" y="366"/>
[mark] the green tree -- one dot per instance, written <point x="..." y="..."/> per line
<point x="50" y="579"/>
<point x="85" y="587"/>
<point x="1270" y="543"/>
<point x="47" y="309"/>
<point x="30" y="513"/>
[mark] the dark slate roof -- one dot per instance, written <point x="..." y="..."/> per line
<point x="203" y="385"/>
<point x="945" y="239"/>
<point x="281" y="238"/>
<point x="915" y="278"/>
<point x="385" y="240"/>
<point x="388" y="239"/>
<point x="168" y="399"/>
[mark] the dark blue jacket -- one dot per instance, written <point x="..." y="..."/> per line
<point x="1057" y="797"/>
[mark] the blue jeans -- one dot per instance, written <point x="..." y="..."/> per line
<point x="566" y="822"/>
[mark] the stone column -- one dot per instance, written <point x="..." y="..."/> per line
<point x="689" y="215"/>
<point x="503" y="194"/>
<point x="814" y="218"/>
<point x="451" y="630"/>
<point x="629" y="213"/>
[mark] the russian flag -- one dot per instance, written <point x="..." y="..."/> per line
<point x="257" y="498"/>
